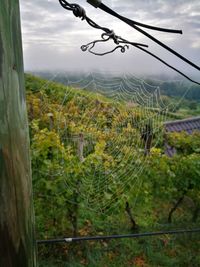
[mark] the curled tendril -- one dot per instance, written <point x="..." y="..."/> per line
<point x="84" y="48"/>
<point x="123" y="48"/>
<point x="89" y="47"/>
<point x="121" y="43"/>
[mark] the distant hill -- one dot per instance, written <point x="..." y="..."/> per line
<point x="168" y="86"/>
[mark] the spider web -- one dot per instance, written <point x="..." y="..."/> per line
<point x="135" y="109"/>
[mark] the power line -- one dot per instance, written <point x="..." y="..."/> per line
<point x="111" y="237"/>
<point x="122" y="43"/>
<point x="98" y="3"/>
<point x="133" y="25"/>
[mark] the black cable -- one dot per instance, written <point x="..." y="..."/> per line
<point x="168" y="65"/>
<point x="133" y="24"/>
<point x="110" y="237"/>
<point x="98" y="4"/>
<point x="80" y="12"/>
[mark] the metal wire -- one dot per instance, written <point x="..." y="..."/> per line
<point x="121" y="43"/>
<point x="97" y="3"/>
<point x="133" y="24"/>
<point x="110" y="237"/>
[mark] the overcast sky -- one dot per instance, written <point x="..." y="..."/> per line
<point x="52" y="36"/>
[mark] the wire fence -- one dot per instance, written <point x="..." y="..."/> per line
<point x="110" y="237"/>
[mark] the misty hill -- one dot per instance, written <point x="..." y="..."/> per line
<point x="168" y="86"/>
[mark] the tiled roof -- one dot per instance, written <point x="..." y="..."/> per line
<point x="189" y="125"/>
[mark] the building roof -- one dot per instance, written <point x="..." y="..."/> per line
<point x="189" y="125"/>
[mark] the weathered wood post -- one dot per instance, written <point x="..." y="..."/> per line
<point x="16" y="210"/>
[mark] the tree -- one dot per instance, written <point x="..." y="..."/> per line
<point x="16" y="219"/>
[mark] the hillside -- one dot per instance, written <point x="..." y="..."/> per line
<point x="172" y="90"/>
<point x="99" y="168"/>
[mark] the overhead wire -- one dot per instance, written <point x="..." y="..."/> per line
<point x="79" y="11"/>
<point x="133" y="24"/>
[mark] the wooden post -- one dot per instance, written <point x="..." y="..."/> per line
<point x="17" y="247"/>
<point x="81" y="144"/>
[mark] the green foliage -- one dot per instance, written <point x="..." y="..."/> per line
<point x="74" y="138"/>
<point x="185" y="143"/>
